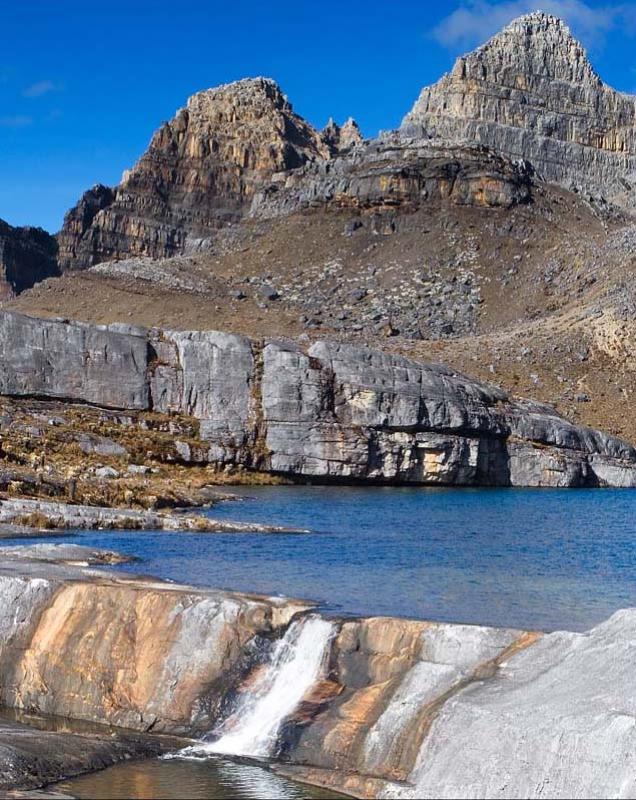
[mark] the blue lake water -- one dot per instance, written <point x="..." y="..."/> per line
<point x="543" y="559"/>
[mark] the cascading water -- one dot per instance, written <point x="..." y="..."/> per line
<point x="297" y="661"/>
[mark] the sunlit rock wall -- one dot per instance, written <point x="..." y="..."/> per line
<point x="328" y="412"/>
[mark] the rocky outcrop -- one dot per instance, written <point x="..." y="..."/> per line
<point x="146" y="653"/>
<point x="340" y="138"/>
<point x="392" y="707"/>
<point x="27" y="255"/>
<point x="455" y="711"/>
<point x="529" y="96"/>
<point x="78" y="236"/>
<point x="391" y="175"/>
<point x="329" y="412"/>
<point x="198" y="174"/>
<point x="530" y="93"/>
<point x="61" y="516"/>
<point x="104" y="366"/>
<point x="240" y="150"/>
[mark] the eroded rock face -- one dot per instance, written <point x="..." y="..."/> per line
<point x="559" y="714"/>
<point x="239" y="150"/>
<point x="144" y="654"/>
<point x="425" y="710"/>
<point x="104" y="365"/>
<point x="198" y="174"/>
<point x="27" y="256"/>
<point x="389" y="677"/>
<point x="402" y="708"/>
<point x="390" y="176"/>
<point x="330" y="412"/>
<point x="79" y="236"/>
<point x="339" y="138"/>
<point x="531" y="93"/>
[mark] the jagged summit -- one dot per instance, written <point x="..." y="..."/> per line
<point x="543" y="42"/>
<point x="340" y="138"/>
<point x="198" y="174"/>
<point x="530" y="92"/>
<point x="259" y="92"/>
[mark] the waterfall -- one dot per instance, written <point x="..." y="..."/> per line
<point x="297" y="661"/>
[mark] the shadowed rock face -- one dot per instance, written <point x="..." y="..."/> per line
<point x="32" y="757"/>
<point x="27" y="256"/>
<point x="531" y="93"/>
<point x="332" y="412"/>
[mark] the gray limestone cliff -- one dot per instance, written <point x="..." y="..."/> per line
<point x="331" y="411"/>
<point x="531" y="93"/>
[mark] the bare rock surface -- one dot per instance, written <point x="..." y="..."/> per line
<point x="97" y="364"/>
<point x="55" y="516"/>
<point x="401" y="709"/>
<point x="64" y="553"/>
<point x="239" y="151"/>
<point x="390" y="175"/>
<point x="556" y="719"/>
<point x="55" y="613"/>
<point x="198" y="174"/>
<point x="329" y="411"/>
<point x="531" y="93"/>
<point x="27" y="256"/>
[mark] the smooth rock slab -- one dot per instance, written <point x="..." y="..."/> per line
<point x="558" y="720"/>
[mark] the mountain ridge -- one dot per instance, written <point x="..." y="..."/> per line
<point x="510" y="264"/>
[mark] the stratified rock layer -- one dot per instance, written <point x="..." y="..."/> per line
<point x="198" y="174"/>
<point x="330" y="412"/>
<point x="389" y="176"/>
<point x="239" y="150"/>
<point x="27" y="256"/>
<point x="531" y="93"/>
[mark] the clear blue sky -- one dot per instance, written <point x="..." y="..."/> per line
<point x="83" y="85"/>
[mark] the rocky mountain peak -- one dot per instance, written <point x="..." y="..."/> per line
<point x="199" y="173"/>
<point x="534" y="44"/>
<point x="531" y="93"/>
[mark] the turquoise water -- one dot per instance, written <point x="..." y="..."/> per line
<point x="543" y="559"/>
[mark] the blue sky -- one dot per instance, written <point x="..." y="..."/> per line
<point x="83" y="85"/>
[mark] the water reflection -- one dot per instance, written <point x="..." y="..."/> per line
<point x="212" y="779"/>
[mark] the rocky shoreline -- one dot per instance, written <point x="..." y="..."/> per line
<point x="37" y="752"/>
<point x="48" y="516"/>
<point x="400" y="708"/>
